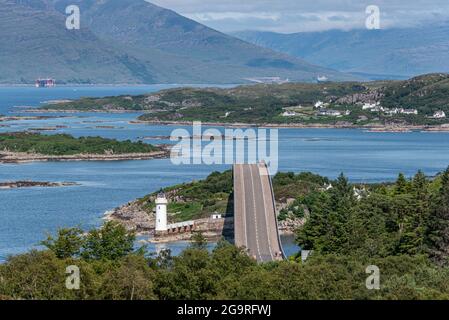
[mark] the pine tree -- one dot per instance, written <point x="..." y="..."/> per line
<point x="420" y="186"/>
<point x="401" y="184"/>
<point x="438" y="224"/>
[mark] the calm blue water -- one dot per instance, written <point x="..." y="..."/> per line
<point x="27" y="214"/>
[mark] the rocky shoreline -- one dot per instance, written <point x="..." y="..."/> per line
<point x="134" y="217"/>
<point x="374" y="127"/>
<point x="31" y="184"/>
<point x="18" y="118"/>
<point x="23" y="157"/>
<point x="341" y="125"/>
<point x="33" y="110"/>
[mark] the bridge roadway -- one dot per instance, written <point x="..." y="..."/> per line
<point x="255" y="222"/>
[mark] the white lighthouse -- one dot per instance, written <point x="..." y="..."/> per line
<point x="161" y="213"/>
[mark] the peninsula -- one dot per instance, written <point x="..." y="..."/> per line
<point x="420" y="103"/>
<point x="209" y="204"/>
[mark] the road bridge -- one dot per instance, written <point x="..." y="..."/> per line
<point x="255" y="219"/>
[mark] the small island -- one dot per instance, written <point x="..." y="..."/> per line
<point x="22" y="147"/>
<point x="33" y="184"/>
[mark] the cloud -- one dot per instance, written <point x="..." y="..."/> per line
<point x="303" y="15"/>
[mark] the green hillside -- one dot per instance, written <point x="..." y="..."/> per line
<point x="263" y="104"/>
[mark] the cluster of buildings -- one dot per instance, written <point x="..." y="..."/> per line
<point x="323" y="111"/>
<point x="45" y="83"/>
<point x="373" y="107"/>
<point x="376" y="107"/>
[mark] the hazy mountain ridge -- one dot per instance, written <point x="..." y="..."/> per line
<point x="394" y="52"/>
<point x="130" y="41"/>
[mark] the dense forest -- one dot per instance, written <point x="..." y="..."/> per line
<point x="402" y="228"/>
<point x="64" y="144"/>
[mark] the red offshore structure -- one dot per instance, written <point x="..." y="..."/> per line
<point x="45" y="83"/>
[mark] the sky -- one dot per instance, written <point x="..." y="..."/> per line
<point x="289" y="16"/>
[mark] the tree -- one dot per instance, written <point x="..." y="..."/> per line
<point x="420" y="186"/>
<point x="326" y="228"/>
<point x="67" y="244"/>
<point x="401" y="184"/>
<point x="111" y="242"/>
<point x="130" y="279"/>
<point x="438" y="224"/>
<point x="199" y="241"/>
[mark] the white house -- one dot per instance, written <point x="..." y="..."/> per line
<point x="319" y="104"/>
<point x="332" y="113"/>
<point x="377" y="109"/>
<point x="392" y="111"/>
<point x="439" y="115"/>
<point x="289" y="114"/>
<point x="368" y="106"/>
<point x="215" y="216"/>
<point x="409" y="111"/>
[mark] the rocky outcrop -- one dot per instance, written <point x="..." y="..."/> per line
<point x="290" y="225"/>
<point x="133" y="217"/>
<point x="371" y="96"/>
<point x="30" y="184"/>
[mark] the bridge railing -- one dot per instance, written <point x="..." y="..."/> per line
<point x="275" y="213"/>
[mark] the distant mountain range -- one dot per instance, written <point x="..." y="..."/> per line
<point x="376" y="54"/>
<point x="131" y="41"/>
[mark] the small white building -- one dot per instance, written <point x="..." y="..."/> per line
<point x="161" y="213"/>
<point x="289" y="114"/>
<point x="392" y="111"/>
<point x="409" y="111"/>
<point x="319" y="104"/>
<point x="331" y="113"/>
<point x="377" y="109"/>
<point x="439" y="115"/>
<point x="368" y="106"/>
<point x="215" y="216"/>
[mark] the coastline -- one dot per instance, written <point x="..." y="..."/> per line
<point x="374" y="127"/>
<point x="133" y="217"/>
<point x="369" y="127"/>
<point x="23" y="157"/>
<point x="31" y="184"/>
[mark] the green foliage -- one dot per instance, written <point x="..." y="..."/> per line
<point x="67" y="244"/>
<point x="438" y="223"/>
<point x="198" y="199"/>
<point x="63" y="144"/>
<point x="111" y="242"/>
<point x="402" y="228"/>
<point x="198" y="240"/>
<point x="261" y="104"/>
<point x="409" y="217"/>
<point x="225" y="273"/>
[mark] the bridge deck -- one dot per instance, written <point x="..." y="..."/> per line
<point x="255" y="225"/>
